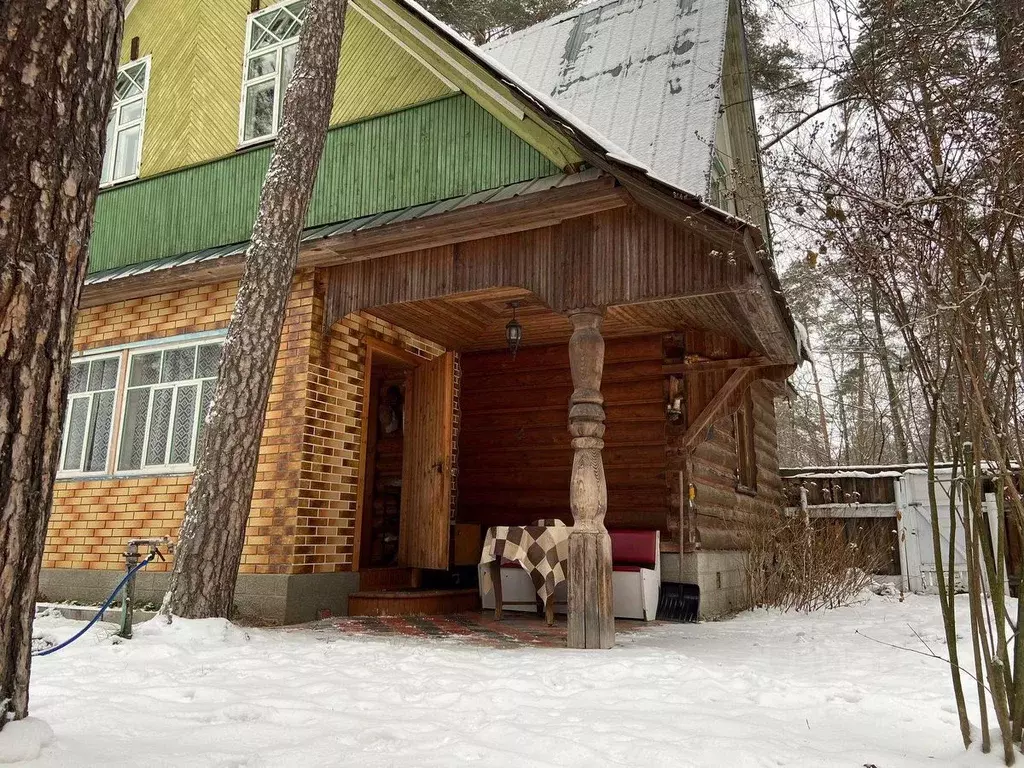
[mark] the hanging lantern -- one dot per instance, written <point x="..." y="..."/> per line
<point x="514" y="331"/>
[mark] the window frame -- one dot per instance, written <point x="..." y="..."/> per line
<point x="721" y="195"/>
<point x="116" y="106"/>
<point x="275" y="77"/>
<point x="745" y="437"/>
<point x="165" y="468"/>
<point x="70" y="397"/>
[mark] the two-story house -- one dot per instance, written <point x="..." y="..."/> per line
<point x="604" y="160"/>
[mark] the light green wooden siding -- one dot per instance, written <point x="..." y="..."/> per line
<point x="462" y="69"/>
<point x="196" y="78"/>
<point x="433" y="151"/>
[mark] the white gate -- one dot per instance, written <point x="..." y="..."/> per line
<point x="917" y="549"/>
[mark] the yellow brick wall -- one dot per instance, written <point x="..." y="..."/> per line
<point x="334" y="409"/>
<point x="93" y="519"/>
<point x="302" y="518"/>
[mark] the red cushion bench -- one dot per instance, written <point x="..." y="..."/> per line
<point x="636" y="573"/>
<point x="636" y="579"/>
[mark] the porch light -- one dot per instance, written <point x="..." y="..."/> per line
<point x="513" y="331"/>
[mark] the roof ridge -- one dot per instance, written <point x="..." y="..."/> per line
<point x="572" y="13"/>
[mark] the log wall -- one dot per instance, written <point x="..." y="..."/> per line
<point x="515" y="456"/>
<point x="721" y="514"/>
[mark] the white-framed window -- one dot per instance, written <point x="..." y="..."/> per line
<point x="123" y="151"/>
<point x="721" y="196"/>
<point x="166" y="396"/>
<point x="89" y="419"/>
<point x="271" y="38"/>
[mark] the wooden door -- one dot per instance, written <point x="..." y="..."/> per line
<point x="427" y="465"/>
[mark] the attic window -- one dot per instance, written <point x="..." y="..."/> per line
<point x="720" y="197"/>
<point x="271" y="39"/>
<point x="124" y="124"/>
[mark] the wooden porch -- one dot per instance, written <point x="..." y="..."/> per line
<point x="484" y="438"/>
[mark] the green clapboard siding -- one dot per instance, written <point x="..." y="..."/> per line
<point x="429" y="152"/>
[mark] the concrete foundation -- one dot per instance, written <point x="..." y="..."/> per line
<point x="720" y="575"/>
<point x="275" y="598"/>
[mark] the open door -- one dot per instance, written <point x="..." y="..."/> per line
<point x="427" y="465"/>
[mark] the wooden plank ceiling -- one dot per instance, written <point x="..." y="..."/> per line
<point x="473" y="322"/>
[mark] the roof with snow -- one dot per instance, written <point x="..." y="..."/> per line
<point x="644" y="73"/>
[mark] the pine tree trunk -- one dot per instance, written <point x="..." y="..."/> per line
<point x="217" y="509"/>
<point x="826" y="447"/>
<point x="895" y="403"/>
<point x="57" y="67"/>
<point x="1009" y="24"/>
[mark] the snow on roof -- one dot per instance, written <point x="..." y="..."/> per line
<point x="803" y="343"/>
<point x="644" y="73"/>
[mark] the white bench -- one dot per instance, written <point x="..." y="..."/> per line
<point x="636" y="579"/>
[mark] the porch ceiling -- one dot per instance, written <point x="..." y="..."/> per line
<point x="651" y="273"/>
<point x="475" y="321"/>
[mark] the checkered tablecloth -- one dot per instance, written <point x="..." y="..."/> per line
<point x="542" y="549"/>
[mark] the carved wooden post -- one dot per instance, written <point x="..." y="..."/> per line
<point x="591" y="624"/>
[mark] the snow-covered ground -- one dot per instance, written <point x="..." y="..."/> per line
<point x="758" y="690"/>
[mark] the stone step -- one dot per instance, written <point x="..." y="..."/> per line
<point x="413" y="602"/>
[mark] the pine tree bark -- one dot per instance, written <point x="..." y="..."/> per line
<point x="58" y="62"/>
<point x="1009" y="24"/>
<point x="895" y="403"/>
<point x="213" y="531"/>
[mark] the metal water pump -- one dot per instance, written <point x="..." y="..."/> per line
<point x="132" y="558"/>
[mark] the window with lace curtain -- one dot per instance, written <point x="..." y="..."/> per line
<point x="166" y="396"/>
<point x="721" y="196"/>
<point x="89" y="419"/>
<point x="271" y="39"/>
<point x="744" y="432"/>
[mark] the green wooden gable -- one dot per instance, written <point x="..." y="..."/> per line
<point x="433" y="151"/>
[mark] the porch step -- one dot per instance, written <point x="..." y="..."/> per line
<point x="413" y="602"/>
<point x="378" y="579"/>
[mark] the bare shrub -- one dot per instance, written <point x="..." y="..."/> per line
<point x="794" y="564"/>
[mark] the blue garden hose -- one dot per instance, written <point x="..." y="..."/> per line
<point x="103" y="607"/>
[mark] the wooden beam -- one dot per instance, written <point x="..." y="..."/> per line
<point x="517" y="214"/>
<point x="711" y="410"/>
<point x="381" y="350"/>
<point x="704" y="366"/>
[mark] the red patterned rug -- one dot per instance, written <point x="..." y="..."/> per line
<point x="515" y="630"/>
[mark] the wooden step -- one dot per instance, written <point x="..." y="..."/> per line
<point x="377" y="579"/>
<point x="413" y="602"/>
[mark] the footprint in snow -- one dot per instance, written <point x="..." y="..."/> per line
<point x="847" y="696"/>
